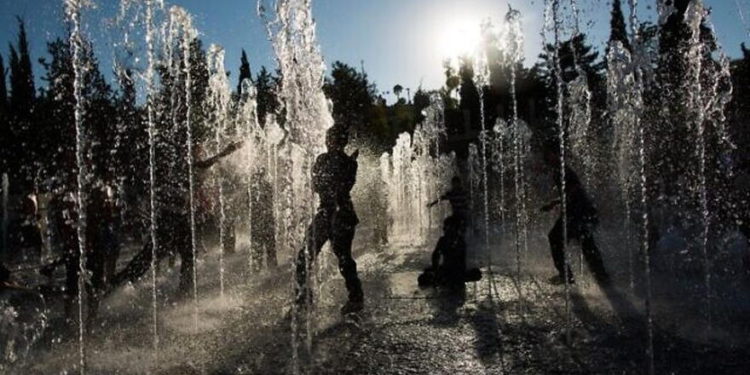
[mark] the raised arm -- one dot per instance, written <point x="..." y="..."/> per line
<point x="551" y="205"/>
<point x="436" y="255"/>
<point x="207" y="163"/>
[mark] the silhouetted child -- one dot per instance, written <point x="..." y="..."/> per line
<point x="459" y="200"/>
<point x="334" y="176"/>
<point x="580" y="222"/>
<point x="449" y="259"/>
<point x="30" y="233"/>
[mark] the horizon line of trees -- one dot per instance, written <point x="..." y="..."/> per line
<point x="37" y="141"/>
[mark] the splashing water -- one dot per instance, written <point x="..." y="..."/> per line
<point x="218" y="88"/>
<point x="292" y="33"/>
<point x="552" y="21"/>
<point x="190" y="34"/>
<point x="248" y="115"/>
<point x="514" y="53"/>
<point x="73" y="13"/>
<point x="707" y="101"/>
<point x="482" y="80"/>
<point x="693" y="18"/>
<point x="624" y="102"/>
<point x="625" y="93"/>
<point x="150" y="92"/>
<point x="414" y="174"/>
<point x="413" y="177"/>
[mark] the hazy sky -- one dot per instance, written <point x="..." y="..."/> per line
<point x="399" y="41"/>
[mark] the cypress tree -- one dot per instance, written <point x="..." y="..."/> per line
<point x="21" y="76"/>
<point x="3" y="88"/>
<point x="4" y="128"/>
<point x="266" y="85"/>
<point x="57" y="106"/>
<point x="618" y="32"/>
<point x="57" y="139"/>
<point x="24" y="148"/>
<point x="244" y="72"/>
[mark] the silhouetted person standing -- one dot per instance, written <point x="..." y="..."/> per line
<point x="68" y="235"/>
<point x="334" y="175"/>
<point x="101" y="247"/>
<point x="581" y="221"/>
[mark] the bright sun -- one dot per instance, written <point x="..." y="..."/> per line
<point x="458" y="37"/>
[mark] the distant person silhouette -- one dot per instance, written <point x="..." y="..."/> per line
<point x="581" y="221"/>
<point x="29" y="242"/>
<point x="449" y="259"/>
<point x="101" y="246"/>
<point x="67" y="225"/>
<point x="334" y="175"/>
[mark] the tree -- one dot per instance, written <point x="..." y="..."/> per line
<point x="452" y="81"/>
<point x="21" y="76"/>
<point x="353" y="97"/>
<point x="23" y="148"/>
<point x="56" y="138"/>
<point x="244" y="72"/>
<point x="266" y="85"/>
<point x="199" y="76"/>
<point x="131" y="152"/>
<point x="739" y="109"/>
<point x="672" y="101"/>
<point x="4" y="126"/>
<point x="618" y="31"/>
<point x="468" y="93"/>
<point x="3" y="88"/>
<point x="397" y="90"/>
<point x="576" y="57"/>
<point x="57" y="105"/>
<point x="421" y="101"/>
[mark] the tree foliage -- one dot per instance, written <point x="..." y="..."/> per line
<point x="266" y="85"/>
<point x="245" y="72"/>
<point x="618" y="31"/>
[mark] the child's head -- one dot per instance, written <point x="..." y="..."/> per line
<point x="336" y="138"/>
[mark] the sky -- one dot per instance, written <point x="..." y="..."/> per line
<point x="396" y="41"/>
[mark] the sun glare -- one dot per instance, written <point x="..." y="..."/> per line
<point x="458" y="38"/>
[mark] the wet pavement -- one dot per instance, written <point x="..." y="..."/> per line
<point x="508" y="323"/>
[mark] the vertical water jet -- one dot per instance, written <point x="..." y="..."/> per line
<point x="73" y="13"/>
